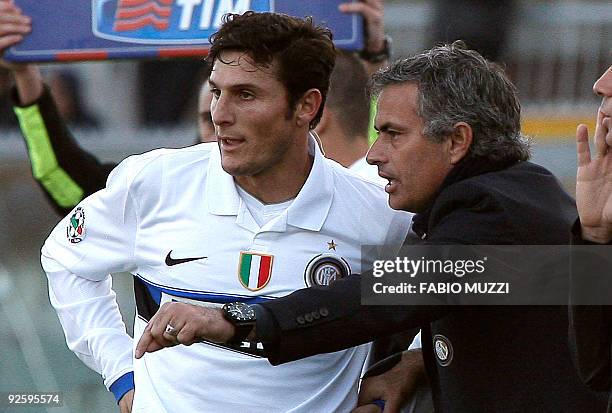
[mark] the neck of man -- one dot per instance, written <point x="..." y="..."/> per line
<point x="342" y="148"/>
<point x="281" y="183"/>
<point x="349" y="151"/>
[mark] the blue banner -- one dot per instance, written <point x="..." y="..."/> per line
<point x="108" y="29"/>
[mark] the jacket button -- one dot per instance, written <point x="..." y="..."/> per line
<point x="316" y="315"/>
<point x="308" y="317"/>
<point x="300" y="320"/>
<point x="324" y="312"/>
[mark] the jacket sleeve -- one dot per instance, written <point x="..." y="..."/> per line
<point x="97" y="239"/>
<point x="60" y="166"/>
<point x="338" y="321"/>
<point x="590" y="335"/>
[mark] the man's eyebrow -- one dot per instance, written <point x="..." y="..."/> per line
<point x="238" y="86"/>
<point x="386" y="126"/>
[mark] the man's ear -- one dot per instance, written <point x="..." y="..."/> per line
<point x="308" y="106"/>
<point x="460" y="142"/>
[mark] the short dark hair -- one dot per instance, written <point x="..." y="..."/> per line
<point x="456" y="84"/>
<point x="348" y="94"/>
<point x="305" y="52"/>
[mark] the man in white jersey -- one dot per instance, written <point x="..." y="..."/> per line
<point x="221" y="223"/>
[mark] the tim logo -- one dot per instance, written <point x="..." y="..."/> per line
<point x="166" y="21"/>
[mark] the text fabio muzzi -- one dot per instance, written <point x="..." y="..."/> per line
<point x="422" y="266"/>
<point x="442" y="288"/>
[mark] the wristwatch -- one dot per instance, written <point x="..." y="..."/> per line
<point x="242" y="316"/>
<point x="380" y="56"/>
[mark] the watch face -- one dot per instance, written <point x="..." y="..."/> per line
<point x="240" y="311"/>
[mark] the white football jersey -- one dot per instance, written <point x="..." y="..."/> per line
<point x="174" y="219"/>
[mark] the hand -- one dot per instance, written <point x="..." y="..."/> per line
<point x="594" y="181"/>
<point x="125" y="403"/>
<point x="395" y="386"/>
<point x="373" y="13"/>
<point x="192" y="324"/>
<point x="13" y="27"/>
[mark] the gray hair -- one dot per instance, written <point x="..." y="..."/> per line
<point x="459" y="85"/>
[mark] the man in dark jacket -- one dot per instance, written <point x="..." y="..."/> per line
<point x="451" y="149"/>
<point x="591" y="326"/>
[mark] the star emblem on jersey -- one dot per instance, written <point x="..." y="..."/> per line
<point x="324" y="269"/>
<point x="332" y="245"/>
<point x="75" y="231"/>
<point x="255" y="270"/>
<point x="443" y="349"/>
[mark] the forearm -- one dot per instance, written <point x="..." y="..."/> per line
<point x="343" y="322"/>
<point x="90" y="318"/>
<point x="29" y="84"/>
<point x="65" y="171"/>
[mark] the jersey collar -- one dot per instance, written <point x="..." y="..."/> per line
<point x="309" y="209"/>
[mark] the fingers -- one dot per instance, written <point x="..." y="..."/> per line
<point x="155" y="337"/>
<point x="583" y="151"/>
<point x="367" y="408"/>
<point x="8" y="41"/>
<point x="600" y="135"/>
<point x="371" y="10"/>
<point x="146" y="344"/>
<point x="373" y="14"/>
<point x="606" y="126"/>
<point x="186" y="328"/>
<point x="13" y="25"/>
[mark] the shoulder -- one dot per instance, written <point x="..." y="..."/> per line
<point x="362" y="200"/>
<point x="150" y="165"/>
<point x="353" y="183"/>
<point x="524" y="203"/>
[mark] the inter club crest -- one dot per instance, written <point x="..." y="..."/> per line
<point x="444" y="350"/>
<point x="324" y="269"/>
<point x="75" y="230"/>
<point x="255" y="270"/>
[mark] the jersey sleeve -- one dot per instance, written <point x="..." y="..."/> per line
<point x="65" y="171"/>
<point x="96" y="239"/>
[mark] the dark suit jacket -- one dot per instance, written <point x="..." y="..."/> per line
<point x="590" y="327"/>
<point x="510" y="359"/>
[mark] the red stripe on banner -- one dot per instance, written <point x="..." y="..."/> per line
<point x="142" y="11"/>
<point x="135" y="3"/>
<point x="81" y="55"/>
<point x="149" y="20"/>
<point x="131" y="3"/>
<point x="264" y="270"/>
<point x="190" y="52"/>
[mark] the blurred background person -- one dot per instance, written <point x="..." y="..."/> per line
<point x="65" y="87"/>
<point x="7" y="116"/>
<point x="483" y="25"/>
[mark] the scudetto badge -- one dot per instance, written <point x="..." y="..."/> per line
<point x="443" y="349"/>
<point x="324" y="269"/>
<point x="75" y="231"/>
<point x="255" y="270"/>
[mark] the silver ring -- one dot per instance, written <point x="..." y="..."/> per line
<point x="171" y="331"/>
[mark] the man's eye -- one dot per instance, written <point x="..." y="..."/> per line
<point x="215" y="92"/>
<point x="246" y="95"/>
<point x="390" y="133"/>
